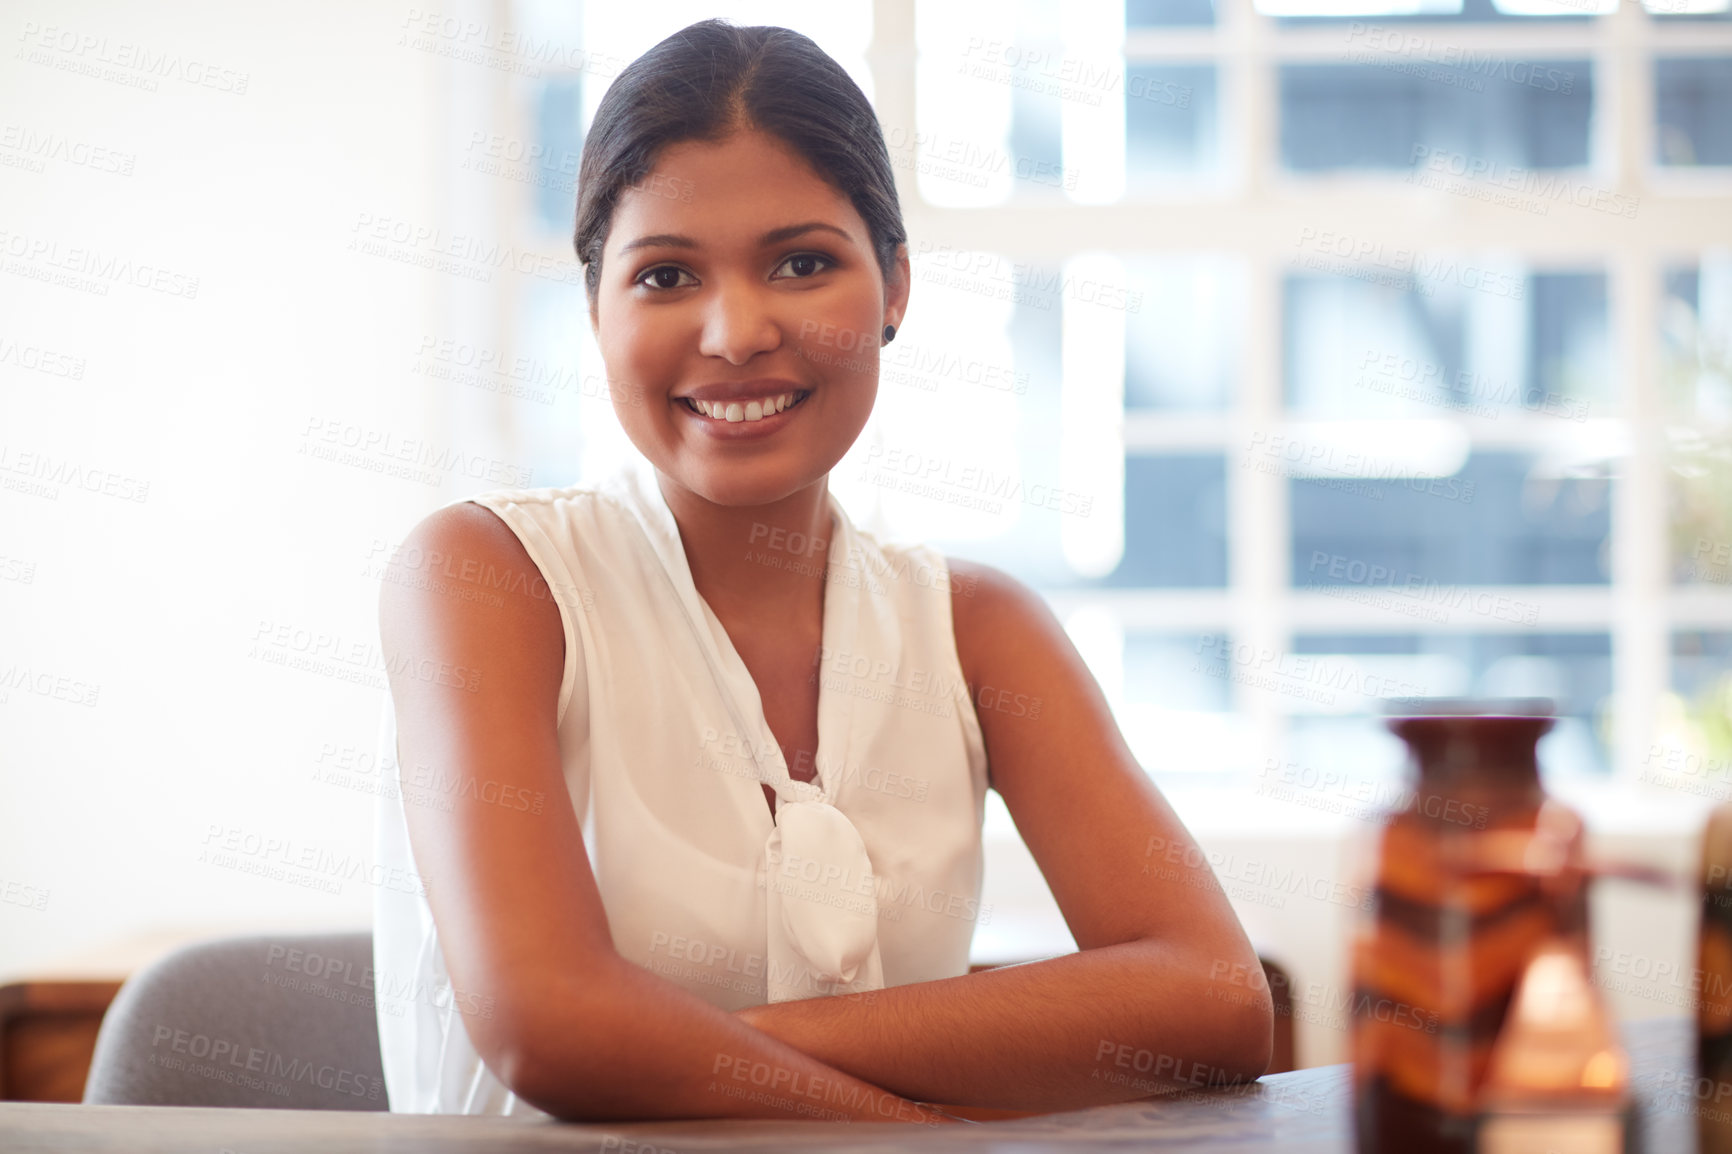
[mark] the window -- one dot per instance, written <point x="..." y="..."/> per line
<point x="1353" y="349"/>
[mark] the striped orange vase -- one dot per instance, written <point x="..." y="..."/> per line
<point x="1711" y="1095"/>
<point x="1462" y="902"/>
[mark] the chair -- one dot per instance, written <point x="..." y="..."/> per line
<point x="273" y="1022"/>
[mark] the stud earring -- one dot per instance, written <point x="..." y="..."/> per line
<point x="889" y="333"/>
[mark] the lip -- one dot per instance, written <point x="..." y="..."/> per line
<point x="753" y="390"/>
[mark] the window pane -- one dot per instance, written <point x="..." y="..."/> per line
<point x="940" y="459"/>
<point x="1568" y="354"/>
<point x="1696" y="378"/>
<point x="1182" y="345"/>
<point x="961" y="450"/>
<point x="1409" y="334"/>
<point x="1534" y="114"/>
<point x="1168" y="13"/>
<point x="1573" y="669"/>
<point x="1702" y="674"/>
<point x="1503" y="519"/>
<point x="1693" y="110"/>
<point x="560" y="399"/>
<point x="559" y="128"/>
<point x="1693" y="753"/>
<point x="1036" y="137"/>
<point x="1176" y="712"/>
<point x="1399" y="12"/>
<point x="1175" y="522"/>
<point x="1012" y="102"/>
<point x="1674" y="11"/>
<point x="1299" y="10"/>
<point x="962" y="108"/>
<point x="1171" y="123"/>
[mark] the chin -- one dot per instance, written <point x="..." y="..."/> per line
<point x="736" y="486"/>
<point x="740" y="478"/>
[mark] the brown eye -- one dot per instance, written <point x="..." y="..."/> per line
<point x="804" y="264"/>
<point x="664" y="276"/>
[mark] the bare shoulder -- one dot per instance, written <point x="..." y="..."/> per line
<point x="995" y="617"/>
<point x="443" y="540"/>
<point x="433" y="590"/>
<point x="451" y="534"/>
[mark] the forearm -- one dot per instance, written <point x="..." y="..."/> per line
<point x="647" y="1049"/>
<point x="1101" y="1025"/>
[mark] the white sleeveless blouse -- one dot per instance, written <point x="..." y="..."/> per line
<point x="868" y="876"/>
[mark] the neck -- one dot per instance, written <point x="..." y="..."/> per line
<point x="755" y="561"/>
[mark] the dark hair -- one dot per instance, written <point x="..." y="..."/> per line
<point x="706" y="81"/>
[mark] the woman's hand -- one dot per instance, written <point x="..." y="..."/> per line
<point x="764" y="1017"/>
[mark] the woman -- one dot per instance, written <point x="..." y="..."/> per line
<point x="775" y="733"/>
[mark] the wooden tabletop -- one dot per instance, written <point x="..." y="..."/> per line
<point x="1298" y="1113"/>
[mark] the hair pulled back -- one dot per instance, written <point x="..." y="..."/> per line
<point x="711" y="79"/>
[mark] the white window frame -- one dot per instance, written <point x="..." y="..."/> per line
<point x="1254" y="220"/>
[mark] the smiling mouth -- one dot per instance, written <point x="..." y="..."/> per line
<point x="756" y="409"/>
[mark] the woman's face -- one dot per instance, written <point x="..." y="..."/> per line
<point x="736" y="277"/>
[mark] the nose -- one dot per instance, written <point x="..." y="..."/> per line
<point x="739" y="324"/>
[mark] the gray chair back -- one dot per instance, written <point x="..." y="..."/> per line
<point x="280" y="1022"/>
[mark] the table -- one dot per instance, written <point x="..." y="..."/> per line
<point x="1303" y="1112"/>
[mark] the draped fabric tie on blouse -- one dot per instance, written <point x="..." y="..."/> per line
<point x="823" y="911"/>
<point x="820" y="894"/>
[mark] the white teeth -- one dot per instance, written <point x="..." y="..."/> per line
<point x="737" y="411"/>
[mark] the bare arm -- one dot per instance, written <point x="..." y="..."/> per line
<point x="1149" y="1000"/>
<point x="573" y="1028"/>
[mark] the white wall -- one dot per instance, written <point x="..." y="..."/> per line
<point x="268" y="134"/>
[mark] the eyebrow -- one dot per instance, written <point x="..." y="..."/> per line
<point x="774" y="236"/>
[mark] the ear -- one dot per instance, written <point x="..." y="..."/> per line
<point x="896" y="288"/>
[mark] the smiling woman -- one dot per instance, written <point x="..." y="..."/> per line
<point x="753" y="884"/>
<point x="722" y="304"/>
